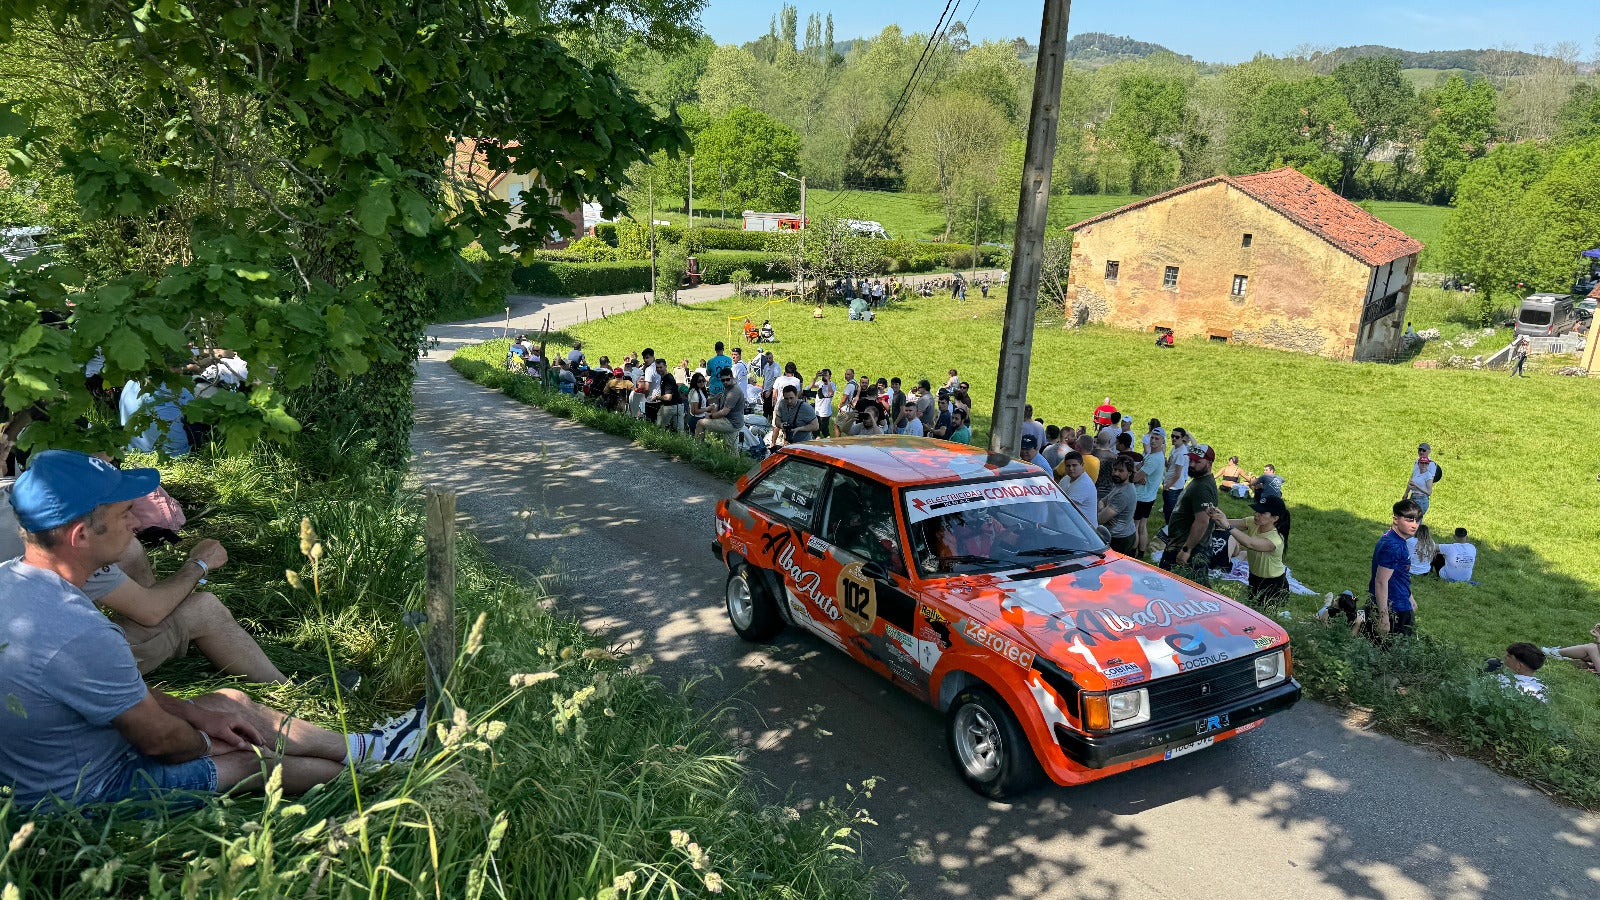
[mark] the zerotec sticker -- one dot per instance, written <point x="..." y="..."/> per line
<point x="931" y="502"/>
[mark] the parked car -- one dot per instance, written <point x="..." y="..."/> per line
<point x="1545" y="315"/>
<point x="17" y="244"/>
<point x="969" y="580"/>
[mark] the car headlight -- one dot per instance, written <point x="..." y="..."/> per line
<point x="1130" y="708"/>
<point x="1271" y="669"/>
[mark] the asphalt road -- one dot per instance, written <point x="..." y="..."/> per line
<point x="1308" y="806"/>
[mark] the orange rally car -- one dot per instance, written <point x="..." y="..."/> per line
<point x="967" y="578"/>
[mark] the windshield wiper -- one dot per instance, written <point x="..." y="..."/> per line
<point x="1051" y="551"/>
<point x="965" y="558"/>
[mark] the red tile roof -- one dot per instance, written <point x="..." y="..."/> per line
<point x="1311" y="206"/>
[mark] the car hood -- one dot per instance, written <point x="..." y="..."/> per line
<point x="1114" y="623"/>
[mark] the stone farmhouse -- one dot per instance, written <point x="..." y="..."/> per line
<point x="1273" y="259"/>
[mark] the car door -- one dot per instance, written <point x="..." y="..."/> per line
<point x="871" y="590"/>
<point x="786" y="502"/>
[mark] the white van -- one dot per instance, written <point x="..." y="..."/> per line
<point x="1545" y="315"/>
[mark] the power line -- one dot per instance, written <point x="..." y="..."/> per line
<point x="940" y="29"/>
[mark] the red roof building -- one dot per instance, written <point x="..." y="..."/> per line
<point x="1274" y="259"/>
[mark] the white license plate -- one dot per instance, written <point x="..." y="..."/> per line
<point x="1186" y="749"/>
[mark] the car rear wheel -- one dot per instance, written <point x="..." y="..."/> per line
<point x="751" y="607"/>
<point x="988" y="746"/>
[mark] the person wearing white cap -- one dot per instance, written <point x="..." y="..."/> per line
<point x="80" y="725"/>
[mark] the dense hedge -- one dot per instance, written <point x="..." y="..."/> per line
<point x="718" y="266"/>
<point x="576" y="279"/>
<point x="474" y="289"/>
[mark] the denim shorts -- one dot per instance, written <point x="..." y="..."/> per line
<point x="146" y="779"/>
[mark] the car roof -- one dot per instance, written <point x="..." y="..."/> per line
<point x="905" y="460"/>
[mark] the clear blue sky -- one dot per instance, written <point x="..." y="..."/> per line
<point x="1210" y="31"/>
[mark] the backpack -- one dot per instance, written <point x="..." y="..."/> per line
<point x="1438" y="473"/>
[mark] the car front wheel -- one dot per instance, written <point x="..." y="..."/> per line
<point x="751" y="607"/>
<point x="988" y="746"/>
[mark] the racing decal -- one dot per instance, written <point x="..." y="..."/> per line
<point x="817" y="545"/>
<point x="1210" y="724"/>
<point x="858" y="594"/>
<point x="925" y="653"/>
<point x="1046" y="702"/>
<point x="927" y="503"/>
<point x="1159" y="612"/>
<point x="892" y="660"/>
<point x="1124" y="670"/>
<point x="1195" y="648"/>
<point x="805" y="582"/>
<point x="1263" y="643"/>
<point x="998" y="644"/>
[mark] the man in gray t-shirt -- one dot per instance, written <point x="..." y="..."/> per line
<point x="726" y="415"/>
<point x="1116" y="509"/>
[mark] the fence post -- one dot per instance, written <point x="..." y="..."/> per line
<point x="439" y="644"/>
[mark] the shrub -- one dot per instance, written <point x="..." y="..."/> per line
<point x="593" y="249"/>
<point x="740" y="278"/>
<point x="474" y="289"/>
<point x="700" y="240"/>
<point x="632" y="240"/>
<point x="718" y="266"/>
<point x="577" y="279"/>
<point x="606" y="231"/>
<point x="671" y="265"/>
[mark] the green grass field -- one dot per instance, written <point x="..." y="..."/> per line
<point x="917" y="216"/>
<point x="1342" y="434"/>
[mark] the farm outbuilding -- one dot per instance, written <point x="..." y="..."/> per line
<point x="1273" y="259"/>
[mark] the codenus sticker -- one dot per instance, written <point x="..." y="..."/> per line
<point x="939" y="501"/>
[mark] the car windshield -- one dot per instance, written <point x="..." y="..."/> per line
<point x="990" y="525"/>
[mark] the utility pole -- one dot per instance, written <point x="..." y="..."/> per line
<point x="1022" y="288"/>
<point x="652" y="232"/>
<point x="691" y="192"/>
<point x="977" y="220"/>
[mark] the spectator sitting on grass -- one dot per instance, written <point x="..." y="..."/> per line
<point x="1456" y="560"/>
<point x="1231" y="477"/>
<point x="91" y="731"/>
<point x="1585" y="655"/>
<point x="726" y="413"/>
<point x="1262" y="538"/>
<point x="1422" y="550"/>
<point x="1268" y="484"/>
<point x="1521" y="660"/>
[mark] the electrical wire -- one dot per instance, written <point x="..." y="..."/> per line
<point x="940" y="31"/>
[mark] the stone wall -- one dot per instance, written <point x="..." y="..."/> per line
<point x="1302" y="293"/>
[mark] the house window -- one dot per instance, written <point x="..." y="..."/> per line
<point x="1248" y="240"/>
<point x="1239" y="283"/>
<point x="514" y="193"/>
<point x="1220" y="337"/>
<point x="1170" y="279"/>
<point x="1111" y="270"/>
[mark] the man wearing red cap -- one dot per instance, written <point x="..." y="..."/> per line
<point x="80" y="725"/>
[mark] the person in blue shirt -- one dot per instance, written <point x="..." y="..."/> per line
<point x="715" y="366"/>
<point x="167" y="408"/>
<point x="1390" y="586"/>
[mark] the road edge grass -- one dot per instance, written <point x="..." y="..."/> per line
<point x="1425" y="684"/>
<point x="568" y="769"/>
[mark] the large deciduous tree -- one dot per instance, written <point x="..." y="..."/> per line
<point x="956" y="151"/>
<point x="300" y="156"/>
<point x="1488" y="237"/>
<point x="1461" y="122"/>
<point x="751" y="148"/>
<point x="1381" y="103"/>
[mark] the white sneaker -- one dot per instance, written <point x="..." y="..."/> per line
<point x="399" y="738"/>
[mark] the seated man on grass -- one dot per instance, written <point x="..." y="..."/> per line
<point x="80" y="726"/>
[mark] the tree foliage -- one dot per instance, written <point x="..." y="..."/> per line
<point x="749" y="149"/>
<point x="289" y="173"/>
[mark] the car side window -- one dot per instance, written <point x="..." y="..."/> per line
<point x="860" y="520"/>
<point x="791" y="491"/>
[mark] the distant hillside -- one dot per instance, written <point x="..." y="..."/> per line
<point x="1498" y="62"/>
<point x="1095" y="49"/>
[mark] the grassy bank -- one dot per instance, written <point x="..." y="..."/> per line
<point x="1342" y="435"/>
<point x="584" y="778"/>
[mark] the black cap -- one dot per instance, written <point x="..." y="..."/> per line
<point x="1271" y="504"/>
<point x="1029" y="442"/>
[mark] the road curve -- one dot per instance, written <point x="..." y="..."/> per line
<point x="1308" y="806"/>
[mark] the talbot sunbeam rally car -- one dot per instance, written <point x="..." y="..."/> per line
<point x="968" y="579"/>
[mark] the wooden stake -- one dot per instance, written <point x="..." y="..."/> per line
<point x="439" y="643"/>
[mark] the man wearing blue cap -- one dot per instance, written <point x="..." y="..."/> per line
<point x="80" y="725"/>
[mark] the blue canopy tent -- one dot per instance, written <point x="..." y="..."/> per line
<point x="1592" y="254"/>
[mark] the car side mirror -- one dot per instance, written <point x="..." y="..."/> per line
<point x="1104" y="534"/>
<point x="875" y="571"/>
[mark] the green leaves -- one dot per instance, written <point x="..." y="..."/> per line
<point x="373" y="210"/>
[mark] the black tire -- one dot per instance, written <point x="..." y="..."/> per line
<point x="988" y="746"/>
<point x="751" y="606"/>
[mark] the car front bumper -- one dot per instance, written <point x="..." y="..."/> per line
<point x="1099" y="751"/>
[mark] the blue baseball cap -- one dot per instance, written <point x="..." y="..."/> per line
<point x="63" y="486"/>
